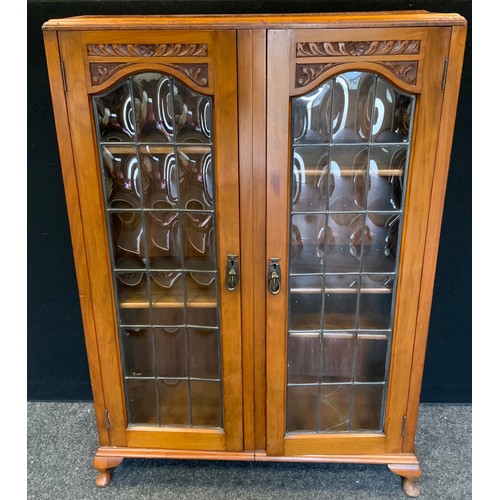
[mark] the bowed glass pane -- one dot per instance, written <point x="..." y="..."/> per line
<point x="350" y="148"/>
<point x="156" y="153"/>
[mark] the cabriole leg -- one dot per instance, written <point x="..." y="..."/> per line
<point x="105" y="465"/>
<point x="410" y="473"/>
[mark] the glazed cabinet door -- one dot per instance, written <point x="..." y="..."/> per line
<point x="353" y="120"/>
<point x="153" y="122"/>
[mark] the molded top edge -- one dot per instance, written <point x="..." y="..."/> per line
<point x="256" y="21"/>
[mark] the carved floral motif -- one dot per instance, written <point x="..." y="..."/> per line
<point x="307" y="73"/>
<point x="197" y="73"/>
<point x="147" y="50"/>
<point x="100" y="72"/>
<point x="380" y="47"/>
<point x="406" y="70"/>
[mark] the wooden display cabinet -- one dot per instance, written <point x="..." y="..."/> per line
<point x="255" y="207"/>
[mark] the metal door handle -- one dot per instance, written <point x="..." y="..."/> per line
<point x="274" y="276"/>
<point x="232" y="273"/>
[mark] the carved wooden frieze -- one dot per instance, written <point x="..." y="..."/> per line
<point x="375" y="48"/>
<point x="403" y="70"/>
<point x="148" y="50"/>
<point x="197" y="73"/>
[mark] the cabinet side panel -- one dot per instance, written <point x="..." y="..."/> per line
<point x="418" y="201"/>
<point x="75" y="221"/>
<point x="434" y="226"/>
<point x="94" y="230"/>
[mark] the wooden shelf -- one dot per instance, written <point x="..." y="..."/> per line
<point x="345" y="172"/>
<point x="198" y="298"/>
<point x="313" y="291"/>
<point x="166" y="148"/>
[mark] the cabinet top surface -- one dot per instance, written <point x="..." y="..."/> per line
<point x="264" y="21"/>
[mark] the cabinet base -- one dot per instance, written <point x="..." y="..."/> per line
<point x="405" y="465"/>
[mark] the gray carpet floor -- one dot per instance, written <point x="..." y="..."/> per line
<point x="62" y="439"/>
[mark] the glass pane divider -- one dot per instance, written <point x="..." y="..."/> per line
<point x="161" y="210"/>
<point x="195" y="379"/>
<point x="333" y="384"/>
<point x="146" y="254"/>
<point x="182" y="256"/>
<point x="345" y="212"/>
<point x="363" y="237"/>
<point x="366" y="144"/>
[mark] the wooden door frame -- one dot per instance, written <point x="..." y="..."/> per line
<point x="83" y="183"/>
<point x="428" y="85"/>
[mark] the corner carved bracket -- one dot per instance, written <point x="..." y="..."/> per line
<point x="307" y="73"/>
<point x="100" y="72"/>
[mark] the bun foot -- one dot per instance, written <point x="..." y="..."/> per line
<point x="103" y="479"/>
<point x="410" y="473"/>
<point x="105" y="465"/>
<point x="411" y="488"/>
